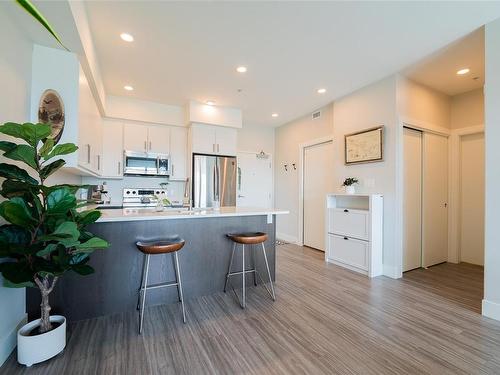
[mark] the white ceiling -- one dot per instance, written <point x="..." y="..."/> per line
<point x="438" y="71"/>
<point x="189" y="50"/>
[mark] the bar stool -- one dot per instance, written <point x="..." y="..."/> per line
<point x="251" y="239"/>
<point x="170" y="245"/>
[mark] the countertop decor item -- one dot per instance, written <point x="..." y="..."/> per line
<point x="365" y="146"/>
<point x="51" y="111"/>
<point x="45" y="235"/>
<point x="348" y="184"/>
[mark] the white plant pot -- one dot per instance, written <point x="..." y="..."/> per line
<point x="39" y="348"/>
<point x="350" y="189"/>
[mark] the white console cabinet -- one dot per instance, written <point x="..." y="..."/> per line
<point x="355" y="232"/>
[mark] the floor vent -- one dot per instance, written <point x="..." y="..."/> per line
<point x="316" y="115"/>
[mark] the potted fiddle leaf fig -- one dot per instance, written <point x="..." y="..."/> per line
<point x="45" y="232"/>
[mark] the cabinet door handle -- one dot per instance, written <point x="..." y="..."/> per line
<point x="150" y="146"/>
<point x="217" y="147"/>
<point x="145" y="146"/>
<point x="119" y="167"/>
<point x="88" y="153"/>
<point x="346" y="210"/>
<point x="213" y="147"/>
<point x="345" y="238"/>
<point x="98" y="162"/>
<point x="173" y="168"/>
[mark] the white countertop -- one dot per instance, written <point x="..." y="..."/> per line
<point x="139" y="214"/>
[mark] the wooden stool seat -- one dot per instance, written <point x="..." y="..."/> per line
<point x="161" y="246"/>
<point x="250" y="238"/>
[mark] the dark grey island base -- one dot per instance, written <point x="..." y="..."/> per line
<point x="114" y="285"/>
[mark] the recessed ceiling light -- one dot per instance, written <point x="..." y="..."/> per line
<point x="274" y="115"/>
<point x="461" y="72"/>
<point x="128" y="88"/>
<point x="321" y="91"/>
<point x="210" y="102"/>
<point x="127" y="37"/>
<point x="241" y="69"/>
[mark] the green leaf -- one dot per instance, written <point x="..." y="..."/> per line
<point x="93" y="243"/>
<point x="16" y="173"/>
<point x="82" y="269"/>
<point x="47" y="250"/>
<point x="31" y="133"/>
<point x="16" y="211"/>
<point x="14" y="188"/>
<point x="6" y="146"/>
<point x="51" y="168"/>
<point x="26" y="284"/>
<point x="88" y="217"/>
<point x="62" y="149"/>
<point x="31" y="9"/>
<point x="60" y="201"/>
<point x="16" y="273"/>
<point x="23" y="153"/>
<point x="48" y="144"/>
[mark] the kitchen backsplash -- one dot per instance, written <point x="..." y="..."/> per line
<point x="115" y="187"/>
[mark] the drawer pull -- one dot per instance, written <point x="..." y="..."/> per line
<point x="345" y="238"/>
<point x="346" y="210"/>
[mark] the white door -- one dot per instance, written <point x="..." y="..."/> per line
<point x="412" y="200"/>
<point x="472" y="199"/>
<point x="203" y="139"/>
<point x="435" y="200"/>
<point x="113" y="145"/>
<point x="318" y="182"/>
<point x="254" y="181"/>
<point x="225" y="139"/>
<point x="159" y="139"/>
<point x="135" y="137"/>
<point x="178" y="153"/>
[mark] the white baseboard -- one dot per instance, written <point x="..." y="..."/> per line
<point x="9" y="342"/>
<point x="286" y="238"/>
<point x="491" y="309"/>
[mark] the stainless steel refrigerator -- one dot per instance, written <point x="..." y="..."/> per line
<point x="214" y="180"/>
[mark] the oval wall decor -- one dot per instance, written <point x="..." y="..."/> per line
<point x="51" y="111"/>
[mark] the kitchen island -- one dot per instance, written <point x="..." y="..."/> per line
<point x="203" y="260"/>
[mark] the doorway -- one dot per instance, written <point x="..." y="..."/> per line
<point x="425" y="202"/>
<point x="254" y="180"/>
<point x="471" y="248"/>
<point x="317" y="183"/>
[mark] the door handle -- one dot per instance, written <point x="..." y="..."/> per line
<point x="346" y="210"/>
<point x="346" y="238"/>
<point x="98" y="162"/>
<point x="119" y="167"/>
<point x="88" y="153"/>
<point x="145" y="146"/>
<point x="150" y="145"/>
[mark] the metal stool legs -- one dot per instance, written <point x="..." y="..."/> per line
<point x="145" y="287"/>
<point x="244" y="271"/>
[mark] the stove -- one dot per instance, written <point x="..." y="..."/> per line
<point x="145" y="197"/>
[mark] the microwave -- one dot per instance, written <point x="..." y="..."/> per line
<point x="146" y="164"/>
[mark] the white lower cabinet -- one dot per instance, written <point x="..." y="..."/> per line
<point x="349" y="251"/>
<point x="355" y="232"/>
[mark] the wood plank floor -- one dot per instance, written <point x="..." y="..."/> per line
<point x="326" y="320"/>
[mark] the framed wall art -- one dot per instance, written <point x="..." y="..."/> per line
<point x="51" y="111"/>
<point x="366" y="146"/>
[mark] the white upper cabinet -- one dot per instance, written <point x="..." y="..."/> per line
<point x="135" y="137"/>
<point x="213" y="140"/>
<point x="178" y="153"/>
<point x="226" y="139"/>
<point x="112" y="135"/>
<point x="159" y="139"/>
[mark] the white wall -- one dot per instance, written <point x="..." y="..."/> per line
<point x="15" y="75"/>
<point x="256" y="139"/>
<point x="369" y="107"/>
<point x="467" y="109"/>
<point x="491" y="302"/>
<point x="287" y="140"/>
<point x="214" y="115"/>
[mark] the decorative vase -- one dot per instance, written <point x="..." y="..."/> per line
<point x="350" y="189"/>
<point x="39" y="348"/>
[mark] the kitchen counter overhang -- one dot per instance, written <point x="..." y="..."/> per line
<point x="113" y="288"/>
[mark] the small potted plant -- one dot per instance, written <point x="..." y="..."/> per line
<point x="45" y="234"/>
<point x="348" y="184"/>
